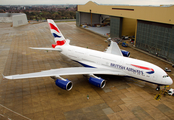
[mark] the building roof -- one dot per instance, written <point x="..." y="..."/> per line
<point x="159" y="14"/>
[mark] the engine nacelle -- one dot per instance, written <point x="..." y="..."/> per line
<point x="97" y="82"/>
<point x="64" y="84"/>
<point x="125" y="53"/>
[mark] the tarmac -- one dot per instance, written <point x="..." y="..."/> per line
<point x="100" y="30"/>
<point x="122" y="98"/>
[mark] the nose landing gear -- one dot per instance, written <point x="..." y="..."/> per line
<point x="158" y="88"/>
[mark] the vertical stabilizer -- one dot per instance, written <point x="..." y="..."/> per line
<point x="58" y="36"/>
<point x="114" y="49"/>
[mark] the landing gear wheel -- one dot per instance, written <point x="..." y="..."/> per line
<point x="158" y="88"/>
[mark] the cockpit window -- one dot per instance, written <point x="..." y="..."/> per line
<point x="165" y="76"/>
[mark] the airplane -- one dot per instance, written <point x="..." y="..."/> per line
<point x="111" y="62"/>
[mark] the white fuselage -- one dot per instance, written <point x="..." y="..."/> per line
<point x="113" y="62"/>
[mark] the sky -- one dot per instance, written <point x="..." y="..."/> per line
<point x="52" y="2"/>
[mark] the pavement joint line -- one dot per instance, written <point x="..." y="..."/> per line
<point x="5" y="117"/>
<point x="2" y="115"/>
<point x="14" y="112"/>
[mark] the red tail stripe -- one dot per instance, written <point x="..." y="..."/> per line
<point x="146" y="68"/>
<point x="58" y="43"/>
<point x="61" y="42"/>
<point x="53" y="27"/>
<point x="53" y="45"/>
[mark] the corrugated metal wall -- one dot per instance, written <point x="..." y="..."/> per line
<point x="115" y="26"/>
<point x="77" y="18"/>
<point x="85" y="18"/>
<point x="156" y="38"/>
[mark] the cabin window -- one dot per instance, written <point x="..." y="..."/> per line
<point x="165" y="76"/>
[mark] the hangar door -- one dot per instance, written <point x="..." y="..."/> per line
<point x="156" y="38"/>
<point x="115" y="26"/>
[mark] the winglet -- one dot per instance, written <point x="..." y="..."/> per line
<point x="3" y="76"/>
<point x="7" y="77"/>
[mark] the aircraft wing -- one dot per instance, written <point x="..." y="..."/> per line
<point x="65" y="71"/>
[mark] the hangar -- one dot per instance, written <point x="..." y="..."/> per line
<point x="17" y="19"/>
<point x="152" y="26"/>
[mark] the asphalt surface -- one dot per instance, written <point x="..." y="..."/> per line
<point x="40" y="99"/>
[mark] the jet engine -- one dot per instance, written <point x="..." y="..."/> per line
<point x="125" y="53"/>
<point x="97" y="81"/>
<point x="64" y="83"/>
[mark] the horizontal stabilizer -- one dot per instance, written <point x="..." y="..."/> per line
<point x="56" y="49"/>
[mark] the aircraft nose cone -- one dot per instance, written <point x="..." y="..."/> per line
<point x="170" y="81"/>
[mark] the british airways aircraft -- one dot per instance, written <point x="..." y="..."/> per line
<point x="110" y="62"/>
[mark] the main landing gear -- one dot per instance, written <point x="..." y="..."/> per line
<point x="158" y="88"/>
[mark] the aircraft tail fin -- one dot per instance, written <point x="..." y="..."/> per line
<point x="114" y="49"/>
<point x="58" y="36"/>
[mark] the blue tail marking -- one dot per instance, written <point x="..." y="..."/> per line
<point x="55" y="35"/>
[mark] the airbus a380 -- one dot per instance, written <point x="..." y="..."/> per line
<point x="110" y="62"/>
